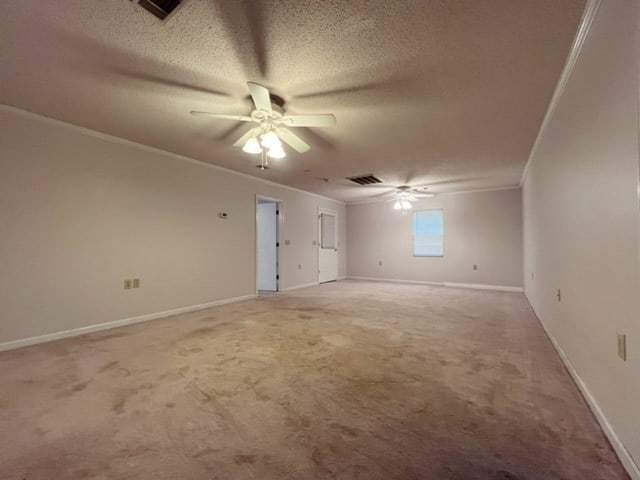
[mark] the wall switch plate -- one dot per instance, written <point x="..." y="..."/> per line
<point x="135" y="283"/>
<point x="559" y="295"/>
<point x="475" y="267"/>
<point x="299" y="267"/>
<point x="532" y="276"/>
<point x="380" y="263"/>
<point x="287" y="242"/>
<point x="127" y="284"/>
<point x="622" y="346"/>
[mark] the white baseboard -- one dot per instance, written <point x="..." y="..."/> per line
<point x="476" y="286"/>
<point x="623" y="454"/>
<point x="395" y="280"/>
<point x="482" y="286"/>
<point x="74" y="332"/>
<point x="298" y="287"/>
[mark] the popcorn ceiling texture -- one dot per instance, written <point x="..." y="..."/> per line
<point x="449" y="93"/>
<point x="347" y="380"/>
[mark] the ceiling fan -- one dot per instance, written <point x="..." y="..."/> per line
<point x="403" y="195"/>
<point x="272" y="125"/>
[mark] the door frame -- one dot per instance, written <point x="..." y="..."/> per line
<point x="279" y="207"/>
<point x="319" y="238"/>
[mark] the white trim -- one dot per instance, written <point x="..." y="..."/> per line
<point x="298" y="287"/>
<point x="280" y="217"/>
<point x="475" y="286"/>
<point x="483" y="190"/>
<point x="394" y="280"/>
<point x="588" y="16"/>
<point x="623" y="454"/>
<point x="122" y="141"/>
<point x="482" y="286"/>
<point x="74" y="332"/>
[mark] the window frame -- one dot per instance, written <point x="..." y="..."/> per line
<point x="413" y="233"/>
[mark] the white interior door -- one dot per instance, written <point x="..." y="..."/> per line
<point x="328" y="246"/>
<point x="267" y="247"/>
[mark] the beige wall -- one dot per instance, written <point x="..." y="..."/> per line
<point x="581" y="220"/>
<point x="482" y="228"/>
<point x="80" y="213"/>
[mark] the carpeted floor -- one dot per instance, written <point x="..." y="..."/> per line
<point x="349" y="380"/>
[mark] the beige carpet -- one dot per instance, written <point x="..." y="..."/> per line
<point x="348" y="380"/>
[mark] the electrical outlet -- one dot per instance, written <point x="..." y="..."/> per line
<point x="314" y="242"/>
<point x="287" y="242"/>
<point x="622" y="346"/>
<point x="559" y="295"/>
<point x="379" y="263"/>
<point x="475" y="267"/>
<point x="127" y="284"/>
<point x="135" y="283"/>
<point x="299" y="267"/>
<point x="532" y="276"/>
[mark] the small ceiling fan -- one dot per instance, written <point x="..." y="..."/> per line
<point x="272" y="125"/>
<point x="403" y="195"/>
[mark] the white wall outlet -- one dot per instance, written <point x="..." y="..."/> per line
<point x="622" y="346"/>
<point x="127" y="284"/>
<point x="135" y="283"/>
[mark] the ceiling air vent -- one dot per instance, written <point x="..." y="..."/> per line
<point x="364" y="179"/>
<point x="160" y="8"/>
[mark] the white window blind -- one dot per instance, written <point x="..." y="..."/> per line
<point x="428" y="233"/>
<point x="328" y="231"/>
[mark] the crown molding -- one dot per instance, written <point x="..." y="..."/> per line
<point x="123" y="141"/>
<point x="588" y="17"/>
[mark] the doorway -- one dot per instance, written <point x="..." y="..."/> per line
<point x="267" y="244"/>
<point x="327" y="246"/>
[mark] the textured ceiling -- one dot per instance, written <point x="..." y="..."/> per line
<point x="442" y="93"/>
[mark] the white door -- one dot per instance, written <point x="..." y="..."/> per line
<point x="267" y="247"/>
<point x="328" y="246"/>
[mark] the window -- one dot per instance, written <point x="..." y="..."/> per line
<point x="428" y="229"/>
<point x="327" y="231"/>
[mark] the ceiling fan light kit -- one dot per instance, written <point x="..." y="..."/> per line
<point x="276" y="152"/>
<point x="270" y="140"/>
<point x="266" y="139"/>
<point x="252" y="146"/>
<point x="402" y="197"/>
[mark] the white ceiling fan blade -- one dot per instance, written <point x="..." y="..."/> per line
<point x="292" y="140"/>
<point x="319" y="120"/>
<point x="243" y="139"/>
<point x="240" y="118"/>
<point x="391" y="193"/>
<point x="422" y="195"/>
<point x="260" y="97"/>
